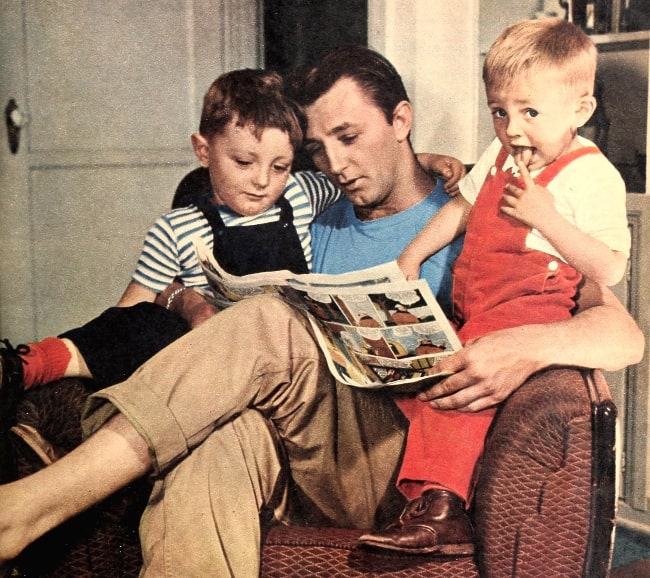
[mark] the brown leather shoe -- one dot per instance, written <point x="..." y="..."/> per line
<point x="434" y="523"/>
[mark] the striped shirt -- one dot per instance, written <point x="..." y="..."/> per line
<point x="168" y="250"/>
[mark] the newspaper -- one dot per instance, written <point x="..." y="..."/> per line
<point x="376" y="329"/>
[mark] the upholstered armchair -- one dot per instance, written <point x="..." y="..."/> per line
<point x="544" y="506"/>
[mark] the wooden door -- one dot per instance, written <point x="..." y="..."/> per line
<point x="111" y="92"/>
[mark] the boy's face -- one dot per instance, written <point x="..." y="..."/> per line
<point x="351" y="141"/>
<point x="536" y="117"/>
<point x="247" y="174"/>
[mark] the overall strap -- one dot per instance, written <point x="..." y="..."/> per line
<point x="253" y="248"/>
<point x="551" y="171"/>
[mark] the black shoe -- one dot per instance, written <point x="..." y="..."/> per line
<point x="436" y="523"/>
<point x="11" y="390"/>
<point x="7" y="570"/>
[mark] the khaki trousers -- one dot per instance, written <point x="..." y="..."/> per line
<point x="238" y="414"/>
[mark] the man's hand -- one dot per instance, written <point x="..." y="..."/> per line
<point x="449" y="168"/>
<point x="187" y="303"/>
<point x="485" y="372"/>
<point x="533" y="204"/>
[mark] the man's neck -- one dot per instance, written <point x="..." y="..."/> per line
<point x="412" y="186"/>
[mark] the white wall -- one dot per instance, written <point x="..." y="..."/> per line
<point x="434" y="46"/>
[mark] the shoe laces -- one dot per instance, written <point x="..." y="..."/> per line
<point x="419" y="506"/>
<point x="11" y="382"/>
<point x="20" y="349"/>
<point x="13" y="358"/>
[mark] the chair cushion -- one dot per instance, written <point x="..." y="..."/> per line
<point x="292" y="551"/>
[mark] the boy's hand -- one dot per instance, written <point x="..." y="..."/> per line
<point x="533" y="204"/>
<point x="188" y="304"/>
<point x="452" y="170"/>
<point x="449" y="168"/>
<point x="409" y="266"/>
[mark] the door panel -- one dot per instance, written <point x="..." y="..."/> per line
<point x="107" y="75"/>
<point x="88" y="226"/>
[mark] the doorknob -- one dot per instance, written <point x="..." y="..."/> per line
<point x="15" y="121"/>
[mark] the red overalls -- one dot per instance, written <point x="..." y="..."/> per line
<point x="498" y="283"/>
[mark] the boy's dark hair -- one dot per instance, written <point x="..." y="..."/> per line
<point x="369" y="69"/>
<point x="251" y="97"/>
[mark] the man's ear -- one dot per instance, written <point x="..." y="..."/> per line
<point x="201" y="149"/>
<point x="585" y="108"/>
<point x="402" y="120"/>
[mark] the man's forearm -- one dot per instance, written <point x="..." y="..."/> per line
<point x="603" y="335"/>
<point x="485" y="372"/>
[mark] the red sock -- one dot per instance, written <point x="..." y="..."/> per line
<point x="46" y="361"/>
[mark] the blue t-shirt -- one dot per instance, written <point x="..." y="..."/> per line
<point x="342" y="243"/>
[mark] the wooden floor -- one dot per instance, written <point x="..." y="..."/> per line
<point x="640" y="569"/>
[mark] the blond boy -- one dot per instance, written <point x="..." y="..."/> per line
<point x="541" y="209"/>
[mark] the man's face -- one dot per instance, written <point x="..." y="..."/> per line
<point x="350" y="140"/>
<point x="248" y="174"/>
<point x="535" y="117"/>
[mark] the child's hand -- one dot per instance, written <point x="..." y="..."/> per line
<point x="533" y="204"/>
<point x="452" y="170"/>
<point x="449" y="168"/>
<point x="409" y="266"/>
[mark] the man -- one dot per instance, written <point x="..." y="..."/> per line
<point x="242" y="409"/>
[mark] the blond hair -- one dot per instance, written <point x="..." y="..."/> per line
<point x="547" y="44"/>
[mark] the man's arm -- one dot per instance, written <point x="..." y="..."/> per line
<point x="486" y="371"/>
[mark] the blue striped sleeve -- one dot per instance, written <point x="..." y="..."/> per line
<point x="318" y="188"/>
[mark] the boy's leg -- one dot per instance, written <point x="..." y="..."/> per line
<point x="443" y="447"/>
<point x="112" y="346"/>
<point x="436" y="474"/>
<point x="39" y="362"/>
<point x="108" y="348"/>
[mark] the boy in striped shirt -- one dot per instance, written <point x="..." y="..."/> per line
<point x="252" y="212"/>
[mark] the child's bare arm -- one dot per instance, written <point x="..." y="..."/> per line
<point x="135" y="293"/>
<point x="449" y="168"/>
<point x="187" y="303"/>
<point x="442" y="229"/>
<point x="534" y="206"/>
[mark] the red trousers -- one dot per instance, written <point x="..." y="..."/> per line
<point x="498" y="283"/>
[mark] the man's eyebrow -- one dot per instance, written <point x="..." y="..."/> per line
<point x="334" y="131"/>
<point x="340" y="128"/>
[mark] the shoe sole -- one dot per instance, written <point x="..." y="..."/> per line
<point x="444" y="550"/>
<point x="36" y="443"/>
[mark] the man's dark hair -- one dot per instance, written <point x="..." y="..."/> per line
<point x="369" y="69"/>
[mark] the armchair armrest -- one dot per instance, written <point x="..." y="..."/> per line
<point x="545" y="502"/>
